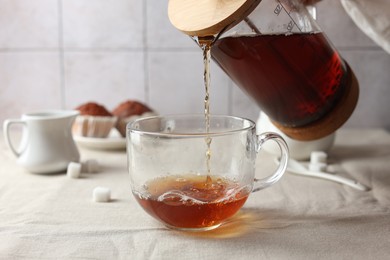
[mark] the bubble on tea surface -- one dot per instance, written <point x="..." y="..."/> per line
<point x="180" y="179"/>
<point x="143" y="195"/>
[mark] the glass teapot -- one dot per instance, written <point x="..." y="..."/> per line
<point x="275" y="51"/>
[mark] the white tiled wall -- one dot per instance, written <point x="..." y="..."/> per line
<point x="59" y="54"/>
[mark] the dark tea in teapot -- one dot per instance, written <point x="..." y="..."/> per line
<point x="295" y="78"/>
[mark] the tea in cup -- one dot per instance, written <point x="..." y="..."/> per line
<point x="192" y="179"/>
<point x="47" y="145"/>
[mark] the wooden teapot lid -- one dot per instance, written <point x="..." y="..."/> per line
<point x="208" y="17"/>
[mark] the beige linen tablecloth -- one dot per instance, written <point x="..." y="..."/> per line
<point x="54" y="217"/>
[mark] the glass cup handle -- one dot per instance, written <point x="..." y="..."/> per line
<point x="6" y="130"/>
<point x="270" y="180"/>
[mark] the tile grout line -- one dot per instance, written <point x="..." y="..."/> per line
<point x="152" y="49"/>
<point x="113" y="50"/>
<point x="61" y="53"/>
<point x="145" y="51"/>
<point x="230" y="97"/>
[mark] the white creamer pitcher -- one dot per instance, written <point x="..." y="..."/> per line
<point x="47" y="145"/>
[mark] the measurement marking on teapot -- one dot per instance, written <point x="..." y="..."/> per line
<point x="291" y="24"/>
<point x="278" y="9"/>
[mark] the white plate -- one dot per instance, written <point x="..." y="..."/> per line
<point x="114" y="141"/>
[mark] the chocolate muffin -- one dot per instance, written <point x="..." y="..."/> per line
<point x="93" y="109"/>
<point x="94" y="121"/>
<point x="128" y="111"/>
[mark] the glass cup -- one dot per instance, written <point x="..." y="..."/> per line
<point x="192" y="179"/>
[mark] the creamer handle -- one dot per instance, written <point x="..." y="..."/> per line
<point x="6" y="129"/>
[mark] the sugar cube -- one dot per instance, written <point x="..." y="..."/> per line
<point x="74" y="170"/>
<point x="101" y="194"/>
<point x="318" y="157"/>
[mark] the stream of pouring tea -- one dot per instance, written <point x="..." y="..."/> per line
<point x="205" y="43"/>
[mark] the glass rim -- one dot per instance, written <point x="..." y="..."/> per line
<point x="130" y="126"/>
